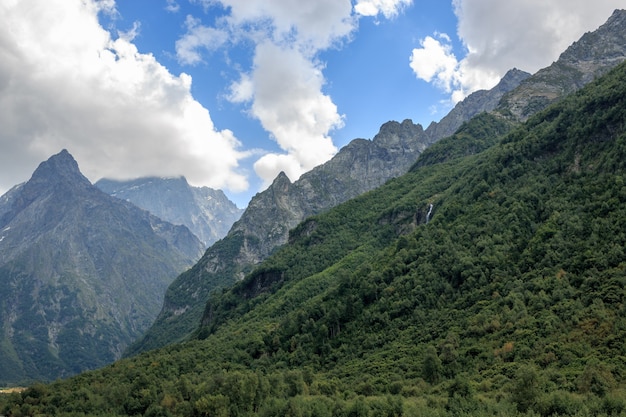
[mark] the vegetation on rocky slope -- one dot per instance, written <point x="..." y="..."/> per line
<point x="486" y="284"/>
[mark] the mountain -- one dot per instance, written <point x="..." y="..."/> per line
<point x="82" y="274"/>
<point x="208" y="213"/>
<point x="490" y="283"/>
<point x="593" y="55"/>
<point x="360" y="166"/>
<point x="270" y="215"/>
<point x="476" y="103"/>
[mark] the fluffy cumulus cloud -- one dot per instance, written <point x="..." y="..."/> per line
<point x="65" y="83"/>
<point x="389" y="8"/>
<point x="435" y="63"/>
<point x="289" y="103"/>
<point x="284" y="87"/>
<point x="316" y="24"/>
<point x="498" y="36"/>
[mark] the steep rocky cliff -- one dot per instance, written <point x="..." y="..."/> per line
<point x="476" y="103"/>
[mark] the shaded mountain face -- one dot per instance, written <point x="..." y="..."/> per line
<point x="360" y="166"/>
<point x="593" y="55"/>
<point x="208" y="213"/>
<point x="81" y="273"/>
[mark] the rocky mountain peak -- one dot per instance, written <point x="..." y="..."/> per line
<point x="59" y="175"/>
<point x="82" y="274"/>
<point x="511" y="79"/>
<point x="393" y="134"/>
<point x="61" y="167"/>
<point x="605" y="44"/>
<point x="474" y="104"/>
<point x="281" y="180"/>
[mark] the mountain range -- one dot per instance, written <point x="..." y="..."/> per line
<point x="363" y="165"/>
<point x="82" y="274"/>
<point x="208" y="213"/>
<point x="488" y="280"/>
<point x="69" y="248"/>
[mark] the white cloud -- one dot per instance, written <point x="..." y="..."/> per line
<point x="172" y="6"/>
<point x="435" y="63"/>
<point x="64" y="83"/>
<point x="283" y="89"/>
<point x="132" y="33"/>
<point x="241" y="91"/>
<point x="103" y="6"/>
<point x="198" y="37"/>
<point x="435" y="60"/>
<point x="269" y="166"/>
<point x="316" y="24"/>
<point x="498" y="36"/>
<point x="290" y="105"/>
<point x="389" y="8"/>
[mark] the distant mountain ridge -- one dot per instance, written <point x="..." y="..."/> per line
<point x="476" y="103"/>
<point x="82" y="274"/>
<point x="208" y="213"/>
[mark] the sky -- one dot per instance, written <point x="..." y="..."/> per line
<point x="229" y="93"/>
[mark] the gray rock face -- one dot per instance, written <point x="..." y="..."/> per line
<point x="360" y="166"/>
<point x="82" y="274"/>
<point x="585" y="60"/>
<point x="208" y="213"/>
<point x="476" y="103"/>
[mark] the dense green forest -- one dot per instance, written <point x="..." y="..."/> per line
<point x="489" y="280"/>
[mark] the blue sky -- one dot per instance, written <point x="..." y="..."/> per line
<point x="230" y="92"/>
<point x="367" y="75"/>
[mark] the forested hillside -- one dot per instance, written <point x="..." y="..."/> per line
<point x="489" y="280"/>
<point x="363" y="165"/>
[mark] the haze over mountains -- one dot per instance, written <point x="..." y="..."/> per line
<point x="208" y="213"/>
